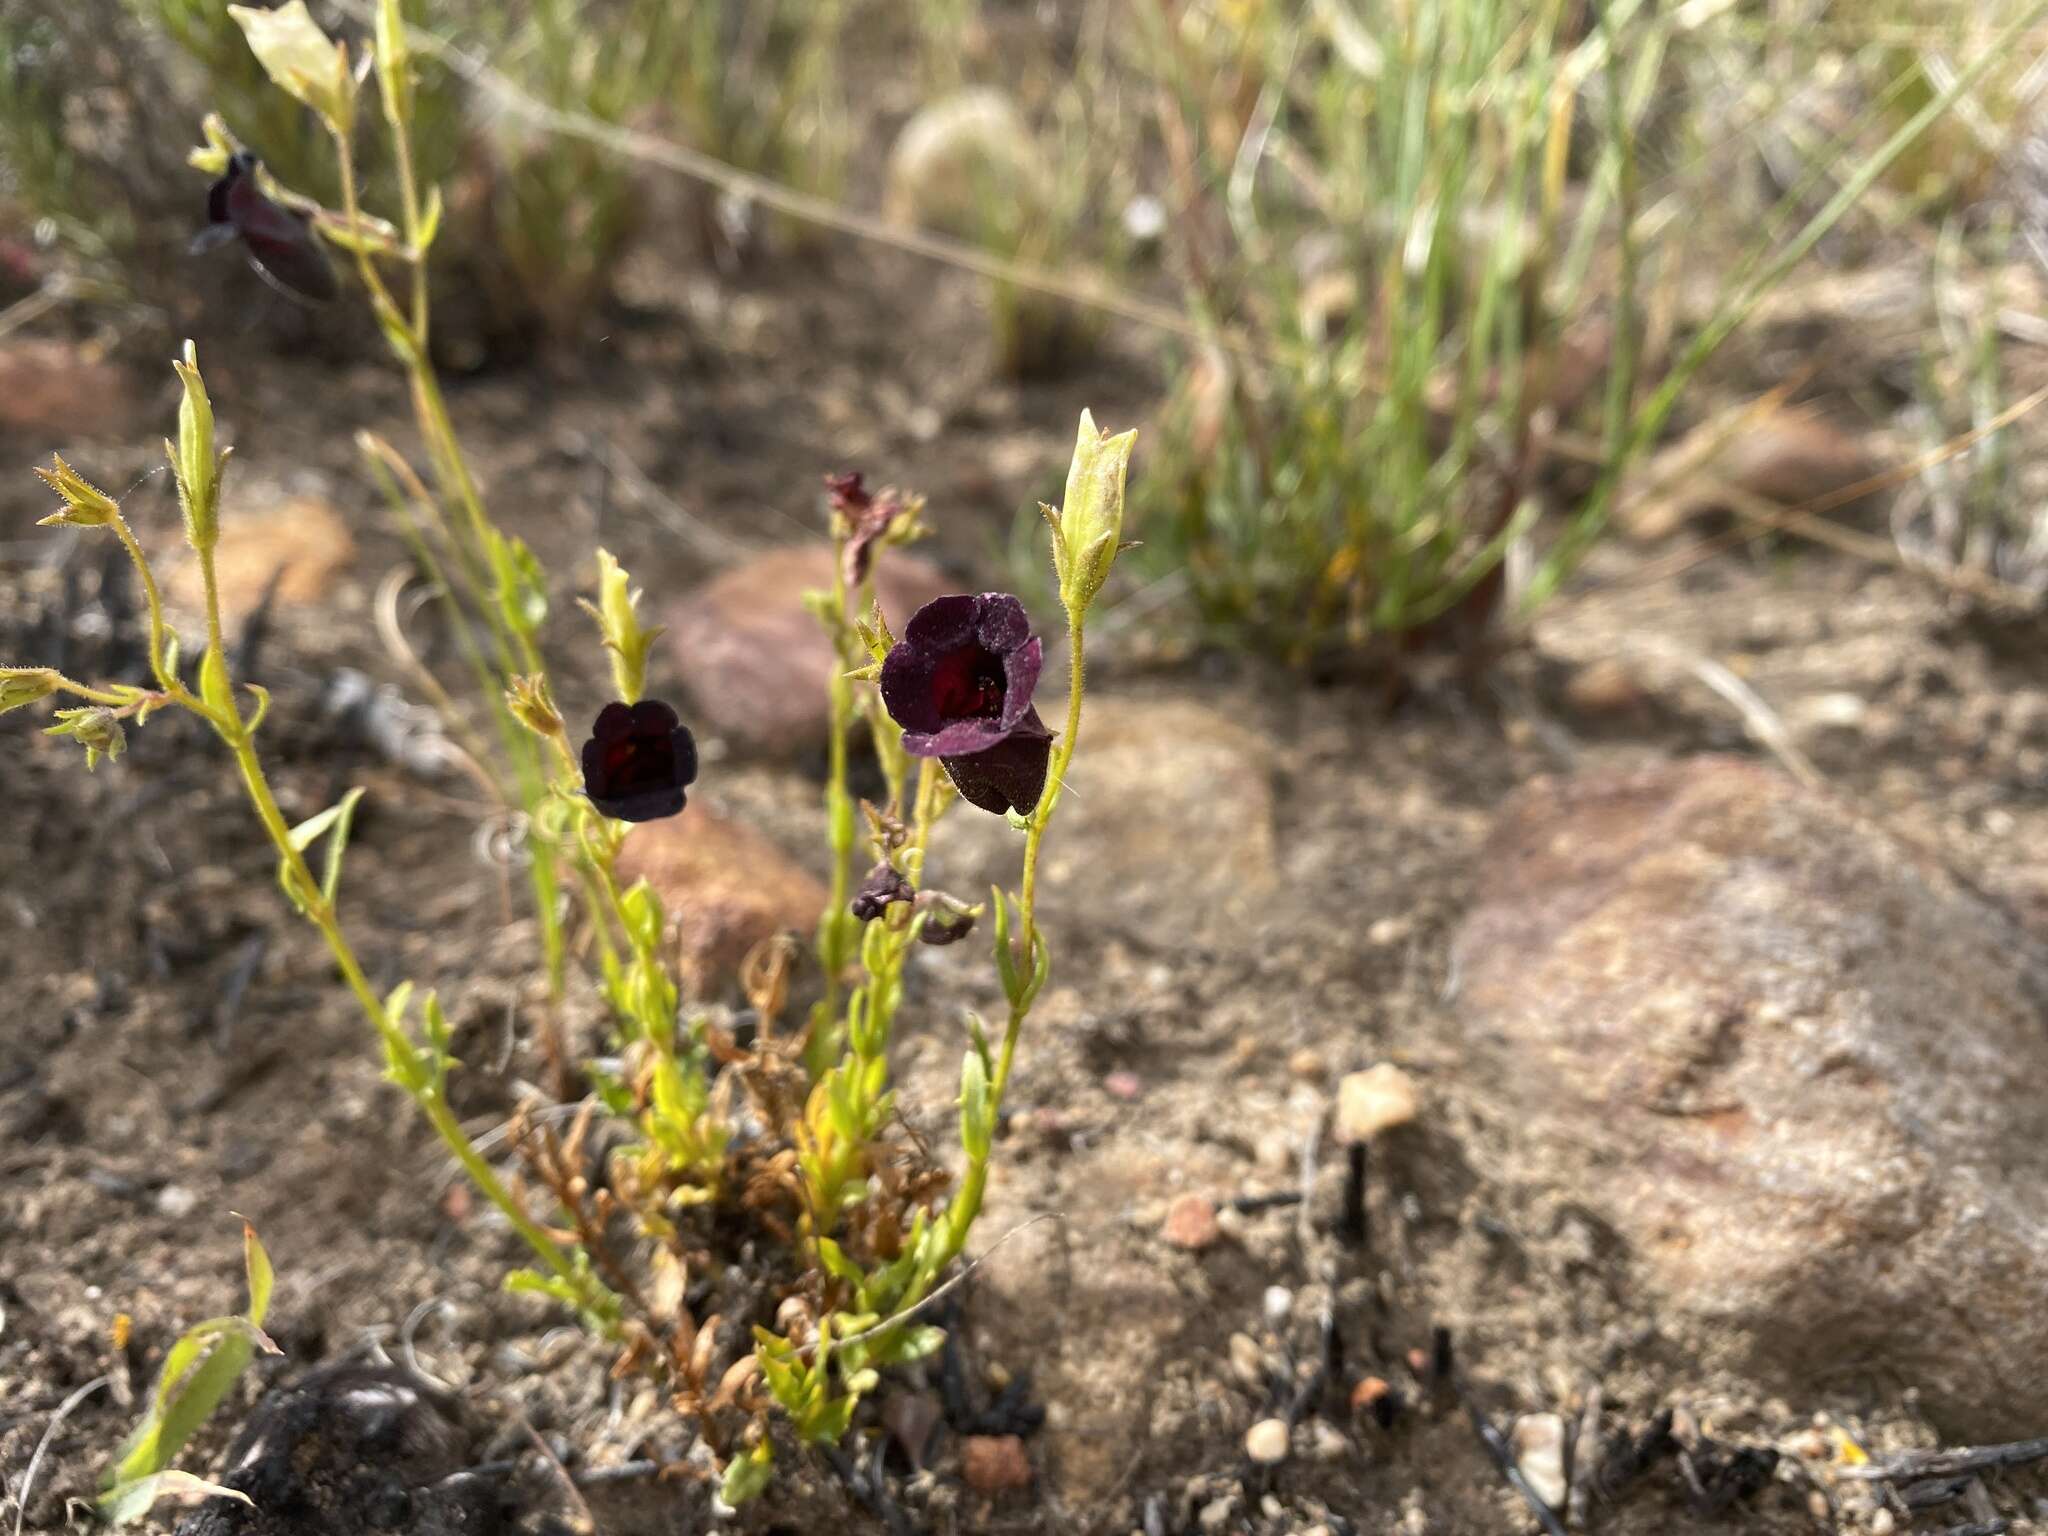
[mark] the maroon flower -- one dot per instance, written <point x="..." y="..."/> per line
<point x="281" y="244"/>
<point x="960" y="683"/>
<point x="638" y="761"/>
<point x="868" y="517"/>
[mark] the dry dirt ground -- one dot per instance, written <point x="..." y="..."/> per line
<point x="174" y="1050"/>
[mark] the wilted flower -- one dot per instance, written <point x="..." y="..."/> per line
<point x="868" y="517"/>
<point x="960" y="683"/>
<point x="281" y="244"/>
<point x="97" y="729"/>
<point x="947" y="919"/>
<point x="882" y="888"/>
<point x="638" y="761"/>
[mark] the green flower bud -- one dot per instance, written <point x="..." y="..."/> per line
<point x="197" y="466"/>
<point x="1089" y="525"/>
<point x="85" y="504"/>
<point x="97" y="729"/>
<point x="394" y="65"/>
<point x="25" y="685"/>
<point x="618" y="620"/>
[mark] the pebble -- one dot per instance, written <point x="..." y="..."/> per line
<point x="1247" y="1362"/>
<point x="1370" y="1389"/>
<point x="1216" y="1513"/>
<point x="1538" y="1443"/>
<point x="1374" y="1101"/>
<point x="1307" y="1065"/>
<point x="1191" y="1223"/>
<point x="1329" y="1442"/>
<point x="1274" y="1152"/>
<point x="1277" y="1303"/>
<point x="995" y="1463"/>
<point x="1388" y="931"/>
<point x="176" y="1201"/>
<point x="1266" y="1442"/>
<point x="1882" y="1523"/>
<point x="1124" y="1085"/>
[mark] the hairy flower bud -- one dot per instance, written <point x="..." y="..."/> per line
<point x="25" y="685"/>
<point x="1088" y="527"/>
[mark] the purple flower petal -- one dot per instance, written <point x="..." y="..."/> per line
<point x="1020" y="678"/>
<point x="638" y="761"/>
<point x="1009" y="776"/>
<point x="957" y="737"/>
<point x="907" y="674"/>
<point x="943" y="623"/>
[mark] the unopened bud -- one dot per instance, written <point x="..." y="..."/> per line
<point x="25" y="685"/>
<point x="882" y="889"/>
<point x="1088" y="528"/>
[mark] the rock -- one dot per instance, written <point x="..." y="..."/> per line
<point x="1277" y="1303"/>
<point x="968" y="166"/>
<point x="1266" y="1442"/>
<point x="57" y="392"/>
<point x="1127" y="1086"/>
<point x="1780" y="458"/>
<point x="1247" y="1362"/>
<point x="176" y="1201"/>
<point x="1606" y="689"/>
<point x="301" y="543"/>
<point x="750" y="658"/>
<point x="1191" y="1223"/>
<point x="1538" y="1443"/>
<point x="1374" y="1101"/>
<point x="1793" y="1062"/>
<point x="1306" y="1064"/>
<point x="350" y="1449"/>
<point x="911" y="1418"/>
<point x="1151" y="780"/>
<point x="725" y="888"/>
<point x="995" y="1463"/>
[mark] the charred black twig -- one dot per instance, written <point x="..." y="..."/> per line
<point x="1930" y="1492"/>
<point x="869" y="1488"/>
<point x="1352" y="1227"/>
<point x="1956" y="1463"/>
<point x="1251" y="1205"/>
<point x="1633" y="1455"/>
<point x="1719" y="1476"/>
<point x="1495" y="1442"/>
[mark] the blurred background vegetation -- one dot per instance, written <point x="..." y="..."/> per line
<point x="1423" y="282"/>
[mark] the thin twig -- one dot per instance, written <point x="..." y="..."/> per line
<point x="916" y="1307"/>
<point x="35" y="1461"/>
<point x="1961" y="1462"/>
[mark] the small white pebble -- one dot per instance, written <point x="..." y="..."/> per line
<point x="1882" y="1523"/>
<point x="176" y="1201"/>
<point x="1279" y="1301"/>
<point x="1247" y="1363"/>
<point x="1266" y="1442"/>
<point x="1538" y="1442"/>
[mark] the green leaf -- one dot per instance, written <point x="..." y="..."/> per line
<point x="430" y="224"/>
<point x="262" y="1278"/>
<point x="201" y="1368"/>
<point x="337" y="844"/>
<point x="216" y="691"/>
<point x="747" y="1476"/>
<point x="977" y="1114"/>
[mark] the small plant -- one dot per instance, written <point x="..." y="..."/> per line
<point x="200" y="1370"/>
<point x="1425" y="232"/>
<point x="1974" y="514"/>
<point x="848" y="1213"/>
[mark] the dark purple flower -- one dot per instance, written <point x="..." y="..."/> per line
<point x="638" y="761"/>
<point x="882" y="888"/>
<point x="960" y="683"/>
<point x="280" y="241"/>
<point x="868" y="518"/>
<point x="946" y="921"/>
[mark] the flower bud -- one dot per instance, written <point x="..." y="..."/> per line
<point x="198" y="467"/>
<point x="97" y="729"/>
<point x="947" y="919"/>
<point x="883" y="887"/>
<point x="25" y="685"/>
<point x="1088" y="528"/>
<point x="618" y="620"/>
<point x="85" y="504"/>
